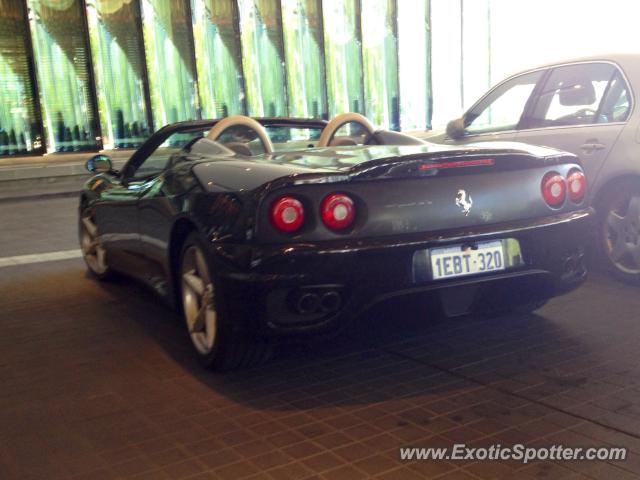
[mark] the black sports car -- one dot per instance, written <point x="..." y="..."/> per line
<point x="270" y="228"/>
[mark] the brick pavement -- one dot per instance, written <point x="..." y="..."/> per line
<point x="98" y="383"/>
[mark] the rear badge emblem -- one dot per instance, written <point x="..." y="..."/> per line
<point x="464" y="201"/>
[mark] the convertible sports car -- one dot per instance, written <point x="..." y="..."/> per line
<point x="260" y="229"/>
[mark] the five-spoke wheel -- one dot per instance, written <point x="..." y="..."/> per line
<point x="220" y="339"/>
<point x="620" y="221"/>
<point x="198" y="300"/>
<point x="93" y="252"/>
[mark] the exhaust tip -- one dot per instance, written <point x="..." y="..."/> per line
<point x="330" y="301"/>
<point x="307" y="303"/>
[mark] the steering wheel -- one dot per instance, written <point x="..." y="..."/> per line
<point x="340" y="120"/>
<point x="241" y="121"/>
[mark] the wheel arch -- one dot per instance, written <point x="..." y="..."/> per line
<point x="614" y="184"/>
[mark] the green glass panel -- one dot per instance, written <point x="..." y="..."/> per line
<point x="261" y="36"/>
<point x="343" y="56"/>
<point x="218" y="57"/>
<point x="20" y="130"/>
<point x="170" y="64"/>
<point x="380" y="62"/>
<point x="62" y="60"/>
<point x="116" y="45"/>
<point x="302" y="28"/>
<point x="414" y="59"/>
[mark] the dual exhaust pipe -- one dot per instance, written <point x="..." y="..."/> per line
<point x="573" y="265"/>
<point x="308" y="302"/>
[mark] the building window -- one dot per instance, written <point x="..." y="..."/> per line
<point x="20" y="129"/>
<point x="116" y="44"/>
<point x="218" y="59"/>
<point x="380" y="63"/>
<point x="58" y="29"/>
<point x="262" y="57"/>
<point x="414" y="60"/>
<point x="343" y="56"/>
<point x="303" y="42"/>
<point x="170" y="60"/>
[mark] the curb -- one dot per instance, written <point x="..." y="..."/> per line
<point x="49" y="175"/>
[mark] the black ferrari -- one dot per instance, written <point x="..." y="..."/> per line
<point x="259" y="229"/>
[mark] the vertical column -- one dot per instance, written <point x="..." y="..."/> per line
<point x="119" y="66"/>
<point x="20" y="120"/>
<point x="380" y="62"/>
<point x="476" y="51"/>
<point x="343" y="57"/>
<point x="218" y="57"/>
<point x="170" y="60"/>
<point x="303" y="44"/>
<point x="63" y="64"/>
<point x="263" y="57"/>
<point x="446" y="58"/>
<point x="414" y="60"/>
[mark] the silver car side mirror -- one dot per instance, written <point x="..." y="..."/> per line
<point x="99" y="164"/>
<point x="456" y="129"/>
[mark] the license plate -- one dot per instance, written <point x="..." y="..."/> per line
<point x="459" y="260"/>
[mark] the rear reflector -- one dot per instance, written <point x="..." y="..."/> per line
<point x="287" y="214"/>
<point x="337" y="211"/>
<point x="458" y="164"/>
<point x="577" y="185"/>
<point x="554" y="189"/>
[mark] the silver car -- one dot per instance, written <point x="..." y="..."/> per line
<point x="588" y="107"/>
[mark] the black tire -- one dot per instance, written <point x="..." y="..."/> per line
<point x="97" y="264"/>
<point x="220" y="345"/>
<point x="618" y="218"/>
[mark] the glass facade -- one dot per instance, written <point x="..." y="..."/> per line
<point x="343" y="55"/>
<point x="380" y="62"/>
<point x="414" y="64"/>
<point x="303" y="44"/>
<point x="80" y="75"/>
<point x="219" y="62"/>
<point x="262" y="57"/>
<point x="65" y="78"/>
<point x="20" y="126"/>
<point x="166" y="26"/>
<point x="120" y="72"/>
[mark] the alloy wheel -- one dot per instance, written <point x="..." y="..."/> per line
<point x="93" y="252"/>
<point x="198" y="300"/>
<point x="622" y="234"/>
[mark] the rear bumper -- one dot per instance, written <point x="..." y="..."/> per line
<point x="307" y="288"/>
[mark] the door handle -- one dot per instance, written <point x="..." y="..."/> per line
<point x="592" y="146"/>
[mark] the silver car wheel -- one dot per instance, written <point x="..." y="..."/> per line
<point x="198" y="300"/>
<point x="622" y="234"/>
<point x="93" y="252"/>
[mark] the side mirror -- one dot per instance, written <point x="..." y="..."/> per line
<point x="99" y="164"/>
<point x="455" y="129"/>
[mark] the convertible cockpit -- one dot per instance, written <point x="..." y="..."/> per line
<point x="249" y="137"/>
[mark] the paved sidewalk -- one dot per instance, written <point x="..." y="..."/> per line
<point x="98" y="382"/>
<point x="56" y="173"/>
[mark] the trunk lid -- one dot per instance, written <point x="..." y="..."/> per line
<point x="422" y="191"/>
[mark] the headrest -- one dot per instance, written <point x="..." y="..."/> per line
<point x="573" y="94"/>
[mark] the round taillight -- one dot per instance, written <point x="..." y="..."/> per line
<point x="337" y="211"/>
<point x="287" y="214"/>
<point x="554" y="189"/>
<point x="577" y="182"/>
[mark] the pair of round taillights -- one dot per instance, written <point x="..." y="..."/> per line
<point x="556" y="188"/>
<point x="337" y="212"/>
